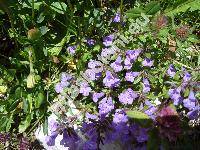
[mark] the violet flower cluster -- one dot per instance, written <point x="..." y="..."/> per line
<point x="110" y="89"/>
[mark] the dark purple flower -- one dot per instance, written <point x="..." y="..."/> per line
<point x="117" y="66"/>
<point x="105" y="105"/>
<point x="4" y="137"/>
<point x="50" y="140"/>
<point x="90" y="145"/>
<point x="175" y="95"/>
<point x="147" y="62"/>
<point x="117" y="18"/>
<point x="71" y="49"/>
<point x="190" y="102"/>
<point x="130" y="76"/>
<point x="24" y="144"/>
<point x="194" y="114"/>
<point x="111" y="80"/>
<point x="171" y="71"/>
<point x="187" y="77"/>
<point x="70" y="139"/>
<point x="53" y="126"/>
<point x="133" y="54"/>
<point x="127" y="96"/>
<point x="91" y="42"/>
<point x="141" y="135"/>
<point x="146" y="86"/>
<point x="108" y="40"/>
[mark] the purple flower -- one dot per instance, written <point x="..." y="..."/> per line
<point x="111" y="80"/>
<point x="91" y="42"/>
<point x="90" y="145"/>
<point x="117" y="18"/>
<point x="187" y="77"/>
<point x="171" y="71"/>
<point x="4" y="137"/>
<point x="194" y="114"/>
<point x="175" y="95"/>
<point x="141" y="135"/>
<point x="131" y="56"/>
<point x="50" y="140"/>
<point x="53" y="126"/>
<point x="24" y="144"/>
<point x="91" y="116"/>
<point x="120" y="116"/>
<point x="190" y="102"/>
<point x="69" y="140"/>
<point x="106" y="52"/>
<point x="71" y="49"/>
<point x="150" y="111"/>
<point x="127" y="96"/>
<point x="85" y="89"/>
<point x="105" y="105"/>
<point x="128" y="63"/>
<point x="146" y="86"/>
<point x="130" y="76"/>
<point x="96" y="96"/>
<point x="147" y="62"/>
<point x="94" y="64"/>
<point x="108" y="40"/>
<point x="59" y="88"/>
<point x="90" y="74"/>
<point x="117" y="66"/>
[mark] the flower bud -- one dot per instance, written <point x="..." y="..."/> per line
<point x="3" y="89"/>
<point x="34" y="34"/>
<point x="30" y="80"/>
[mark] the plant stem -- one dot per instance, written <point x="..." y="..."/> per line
<point x="33" y="14"/>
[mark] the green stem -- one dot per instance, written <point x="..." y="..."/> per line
<point x="121" y="14"/>
<point x="31" y="59"/>
<point x="33" y="13"/>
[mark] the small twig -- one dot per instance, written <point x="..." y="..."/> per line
<point x="183" y="65"/>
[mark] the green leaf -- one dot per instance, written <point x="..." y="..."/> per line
<point x="25" y="123"/>
<point x="59" y="7"/>
<point x="44" y="30"/>
<point x="137" y="80"/>
<point x="192" y="5"/>
<point x="58" y="47"/>
<point x="186" y="92"/>
<point x="86" y="56"/>
<point x="153" y="140"/>
<point x="135" y="12"/>
<point x="9" y="122"/>
<point x="152" y="8"/>
<point x="45" y="126"/>
<point x="137" y="114"/>
<point x="39" y="100"/>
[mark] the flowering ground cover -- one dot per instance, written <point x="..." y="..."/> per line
<point x="91" y="75"/>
